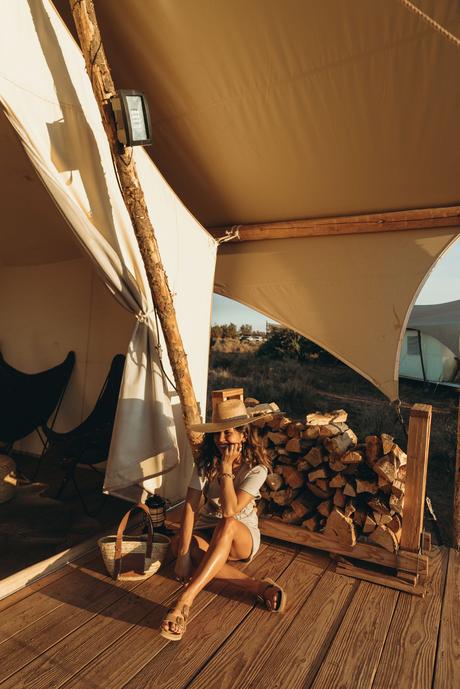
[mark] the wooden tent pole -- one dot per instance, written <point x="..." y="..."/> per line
<point x="99" y="73"/>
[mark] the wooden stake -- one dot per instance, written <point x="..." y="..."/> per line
<point x="99" y="73"/>
<point x="456" y="507"/>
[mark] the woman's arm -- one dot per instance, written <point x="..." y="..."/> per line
<point x="191" y="506"/>
<point x="231" y="501"/>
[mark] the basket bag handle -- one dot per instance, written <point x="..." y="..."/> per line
<point x="120" y="533"/>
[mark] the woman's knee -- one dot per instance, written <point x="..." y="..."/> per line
<point x="227" y="525"/>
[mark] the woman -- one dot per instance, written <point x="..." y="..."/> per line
<point x="230" y="472"/>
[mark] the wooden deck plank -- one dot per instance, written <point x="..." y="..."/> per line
<point x="259" y="651"/>
<point x="353" y="656"/>
<point x="409" y="654"/>
<point x="30" y="608"/>
<point x="46" y="580"/>
<point x="208" y="631"/>
<point x="65" y="658"/>
<point x="125" y="658"/>
<point x="80" y="597"/>
<point x="447" y="669"/>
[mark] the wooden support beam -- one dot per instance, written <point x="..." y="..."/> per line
<point x="417" y="463"/>
<point x="456" y="506"/>
<point x="104" y="89"/>
<point x="352" y="224"/>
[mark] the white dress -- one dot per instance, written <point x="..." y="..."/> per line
<point x="248" y="479"/>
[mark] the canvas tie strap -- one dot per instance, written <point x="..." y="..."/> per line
<point x="232" y="233"/>
<point x="143" y="316"/>
<point x="429" y="20"/>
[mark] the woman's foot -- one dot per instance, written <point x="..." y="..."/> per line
<point x="272" y="595"/>
<point x="175" y="622"/>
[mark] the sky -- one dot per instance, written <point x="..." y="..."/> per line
<point x="443" y="284"/>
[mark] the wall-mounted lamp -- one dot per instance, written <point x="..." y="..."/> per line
<point x="132" y="117"/>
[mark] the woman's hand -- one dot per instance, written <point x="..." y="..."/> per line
<point x="230" y="454"/>
<point x="183" y="568"/>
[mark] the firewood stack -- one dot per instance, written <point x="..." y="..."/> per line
<point x="324" y="480"/>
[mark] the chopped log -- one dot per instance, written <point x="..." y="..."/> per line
<point x="329" y="431"/>
<point x="274" y="481"/>
<point x="387" y="443"/>
<point x="315" y="456"/>
<point x="303" y="465"/>
<point x="293" y="445"/>
<point x="290" y="516"/>
<point x="339" y="416"/>
<point x="400" y="455"/>
<point x="323" y="484"/>
<point x="369" y="525"/>
<point x="311" y="432"/>
<point x="338" y="481"/>
<point x="265" y="492"/>
<point x="398" y="488"/>
<point x="366" y="486"/>
<point x="341" y="528"/>
<point x="359" y="517"/>
<point x="263" y="507"/>
<point x="396" y="526"/>
<point x="401" y="474"/>
<point x="318" y="419"/>
<point x="316" y="490"/>
<point x="284" y="497"/>
<point x="384" y="537"/>
<point x="335" y="463"/>
<point x="301" y="507"/>
<point x="380" y="518"/>
<point x="278" y="422"/>
<point x="277" y="438"/>
<point x="294" y="478"/>
<point x="352" y="457"/>
<point x="378" y="505"/>
<point x="341" y="443"/>
<point x="339" y="498"/>
<point x="349" y="490"/>
<point x="294" y="429"/>
<point x="385" y="468"/>
<point x="374" y="449"/>
<point x="251" y="402"/>
<point x="281" y="451"/>
<point x="325" y="508"/>
<point x="351" y="469"/>
<point x="397" y="504"/>
<point x="313" y="523"/>
<point x="315" y="474"/>
<point x="350" y="509"/>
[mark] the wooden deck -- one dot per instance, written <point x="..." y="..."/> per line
<point x="78" y="628"/>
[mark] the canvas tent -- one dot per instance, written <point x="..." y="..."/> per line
<point x="262" y="112"/>
<point x="66" y="232"/>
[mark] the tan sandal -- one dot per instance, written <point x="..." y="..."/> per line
<point x="180" y="620"/>
<point x="282" y="596"/>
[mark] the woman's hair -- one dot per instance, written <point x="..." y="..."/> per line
<point x="253" y="452"/>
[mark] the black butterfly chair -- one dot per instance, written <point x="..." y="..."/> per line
<point x="27" y="400"/>
<point x="89" y="442"/>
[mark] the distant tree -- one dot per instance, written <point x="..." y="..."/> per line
<point x="245" y="330"/>
<point x="229" y="330"/>
<point x="284" y="343"/>
<point x="216" y="332"/>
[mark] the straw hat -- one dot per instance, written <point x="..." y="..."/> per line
<point x="233" y="413"/>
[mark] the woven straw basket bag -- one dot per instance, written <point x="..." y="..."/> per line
<point x="133" y="557"/>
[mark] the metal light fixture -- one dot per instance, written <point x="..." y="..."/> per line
<point x="132" y="117"/>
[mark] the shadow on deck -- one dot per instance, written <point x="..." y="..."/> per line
<point x="78" y="628"/>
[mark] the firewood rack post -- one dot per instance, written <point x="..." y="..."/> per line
<point x="409" y="564"/>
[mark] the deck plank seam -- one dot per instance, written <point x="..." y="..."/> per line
<point x="377" y="665"/>
<point x="443" y="596"/>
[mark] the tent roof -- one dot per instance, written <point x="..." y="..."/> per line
<point x="441" y="321"/>
<point x="268" y="110"/>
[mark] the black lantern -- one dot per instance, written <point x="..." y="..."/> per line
<point x="132" y="117"/>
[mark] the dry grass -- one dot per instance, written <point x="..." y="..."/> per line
<point x="301" y="387"/>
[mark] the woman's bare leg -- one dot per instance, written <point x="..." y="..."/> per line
<point x="230" y="539"/>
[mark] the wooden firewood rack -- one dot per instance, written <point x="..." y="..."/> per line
<point x="409" y="564"/>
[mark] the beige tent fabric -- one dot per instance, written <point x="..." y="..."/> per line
<point x="350" y="294"/>
<point x="51" y="107"/>
<point x="280" y="109"/>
